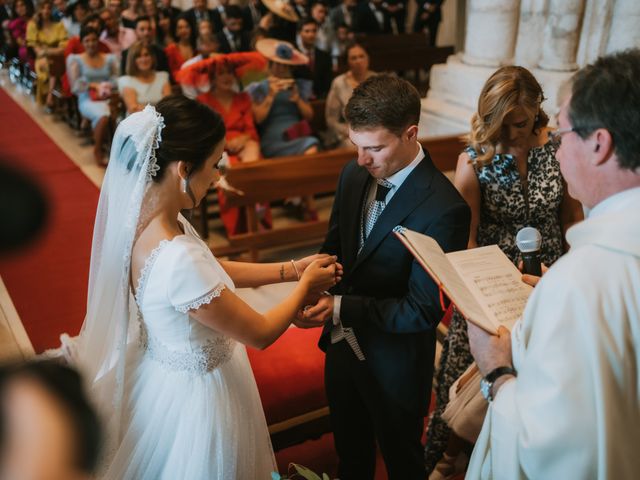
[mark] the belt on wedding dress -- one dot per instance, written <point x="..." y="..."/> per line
<point x="201" y="360"/>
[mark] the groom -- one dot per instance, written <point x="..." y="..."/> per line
<point x="380" y="321"/>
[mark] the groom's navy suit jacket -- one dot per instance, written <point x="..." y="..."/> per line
<point x="390" y="302"/>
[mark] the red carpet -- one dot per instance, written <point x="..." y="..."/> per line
<point x="48" y="281"/>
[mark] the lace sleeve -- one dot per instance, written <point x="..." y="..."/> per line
<point x="193" y="276"/>
<point x="202" y="300"/>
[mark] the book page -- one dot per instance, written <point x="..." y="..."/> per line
<point x="494" y="281"/>
<point x="436" y="263"/>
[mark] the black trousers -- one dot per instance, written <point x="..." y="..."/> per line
<point x="362" y="414"/>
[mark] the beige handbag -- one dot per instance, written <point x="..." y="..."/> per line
<point x="467" y="407"/>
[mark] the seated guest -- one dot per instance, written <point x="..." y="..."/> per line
<point x="145" y="36"/>
<point x="74" y="46"/>
<point x="301" y="7"/>
<point x="343" y="14"/>
<point x="282" y="111"/>
<point x="76" y="12"/>
<point x="253" y="13"/>
<point x="371" y="18"/>
<point x="242" y="142"/>
<point x="184" y="47"/>
<point x="143" y="84"/>
<point x="95" y="6"/>
<point x="129" y="16"/>
<point x="17" y="27"/>
<point x="319" y="69"/>
<point x="166" y="27"/>
<point x="49" y="427"/>
<point x="208" y="46"/>
<point x="233" y="38"/>
<point x="280" y="103"/>
<point x="343" y="38"/>
<point x="234" y="107"/>
<point x="567" y="404"/>
<point x="428" y="17"/>
<point x="93" y="76"/>
<point x="167" y="5"/>
<point x="200" y="12"/>
<point x="510" y="177"/>
<point x="340" y="93"/>
<point x="396" y="12"/>
<point x="325" y="36"/>
<point x="150" y="8"/>
<point x="47" y="38"/>
<point x="114" y="35"/>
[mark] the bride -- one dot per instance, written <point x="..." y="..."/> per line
<point x="159" y="344"/>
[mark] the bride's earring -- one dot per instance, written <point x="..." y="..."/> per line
<point x="183" y="185"/>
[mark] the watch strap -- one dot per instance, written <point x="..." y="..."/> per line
<point x="496" y="373"/>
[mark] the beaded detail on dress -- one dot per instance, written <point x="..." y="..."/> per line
<point x="214" y="353"/>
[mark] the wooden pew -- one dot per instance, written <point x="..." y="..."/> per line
<point x="403" y="52"/>
<point x="276" y="179"/>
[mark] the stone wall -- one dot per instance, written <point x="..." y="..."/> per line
<point x="553" y="38"/>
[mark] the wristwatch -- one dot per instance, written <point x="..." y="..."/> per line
<point x="486" y="384"/>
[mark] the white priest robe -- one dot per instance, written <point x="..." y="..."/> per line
<point x="574" y="409"/>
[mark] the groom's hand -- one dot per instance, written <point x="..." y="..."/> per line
<point x="316" y="315"/>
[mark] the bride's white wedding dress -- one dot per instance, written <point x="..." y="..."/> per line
<point x="191" y="408"/>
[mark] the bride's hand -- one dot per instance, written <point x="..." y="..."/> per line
<point x="303" y="263"/>
<point x="320" y="274"/>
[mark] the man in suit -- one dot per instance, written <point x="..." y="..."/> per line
<point x="319" y="70"/>
<point x="396" y="10"/>
<point x="343" y="14"/>
<point x="428" y="17"/>
<point x="200" y="12"/>
<point x="370" y="17"/>
<point x="144" y="33"/>
<point x="380" y="321"/>
<point x="233" y="38"/>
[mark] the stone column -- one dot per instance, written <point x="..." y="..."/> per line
<point x="625" y="30"/>
<point x="533" y="18"/>
<point x="561" y="35"/>
<point x="596" y="24"/>
<point x="491" y="32"/>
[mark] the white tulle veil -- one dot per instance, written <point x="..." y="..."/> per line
<point x="109" y="326"/>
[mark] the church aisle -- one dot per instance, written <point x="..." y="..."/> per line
<point x="47" y="282"/>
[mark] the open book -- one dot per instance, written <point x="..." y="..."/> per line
<point x="482" y="282"/>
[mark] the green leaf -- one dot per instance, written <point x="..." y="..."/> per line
<point x="305" y="472"/>
<point x="325" y="477"/>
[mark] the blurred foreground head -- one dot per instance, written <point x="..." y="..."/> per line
<point x="23" y="210"/>
<point x="48" y="430"/>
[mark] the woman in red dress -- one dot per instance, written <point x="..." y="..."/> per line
<point x="184" y="47"/>
<point x="242" y="141"/>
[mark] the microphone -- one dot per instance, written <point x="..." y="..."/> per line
<point x="529" y="241"/>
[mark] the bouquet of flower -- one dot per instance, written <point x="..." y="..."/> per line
<point x="299" y="472"/>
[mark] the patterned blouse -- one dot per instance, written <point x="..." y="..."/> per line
<point x="508" y="204"/>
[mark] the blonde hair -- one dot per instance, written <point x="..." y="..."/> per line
<point x="135" y="51"/>
<point x="507" y="89"/>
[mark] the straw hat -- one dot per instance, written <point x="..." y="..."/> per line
<point x="283" y="9"/>
<point x="280" y="51"/>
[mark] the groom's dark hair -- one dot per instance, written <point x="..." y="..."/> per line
<point x="383" y="101"/>
<point x="191" y="133"/>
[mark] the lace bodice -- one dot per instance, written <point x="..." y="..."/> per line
<point x="178" y="276"/>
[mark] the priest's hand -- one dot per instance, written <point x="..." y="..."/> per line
<point x="490" y="351"/>
<point x="532" y="279"/>
<point x="316" y="315"/>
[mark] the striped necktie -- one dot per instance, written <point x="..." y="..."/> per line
<point x="375" y="208"/>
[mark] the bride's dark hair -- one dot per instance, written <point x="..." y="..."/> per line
<point x="192" y="131"/>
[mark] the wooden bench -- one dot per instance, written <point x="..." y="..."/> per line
<point x="276" y="179"/>
<point x="402" y="52"/>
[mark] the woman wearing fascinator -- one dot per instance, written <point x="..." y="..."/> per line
<point x="161" y="344"/>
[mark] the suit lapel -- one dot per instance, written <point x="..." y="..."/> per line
<point x="411" y="194"/>
<point x="352" y="219"/>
